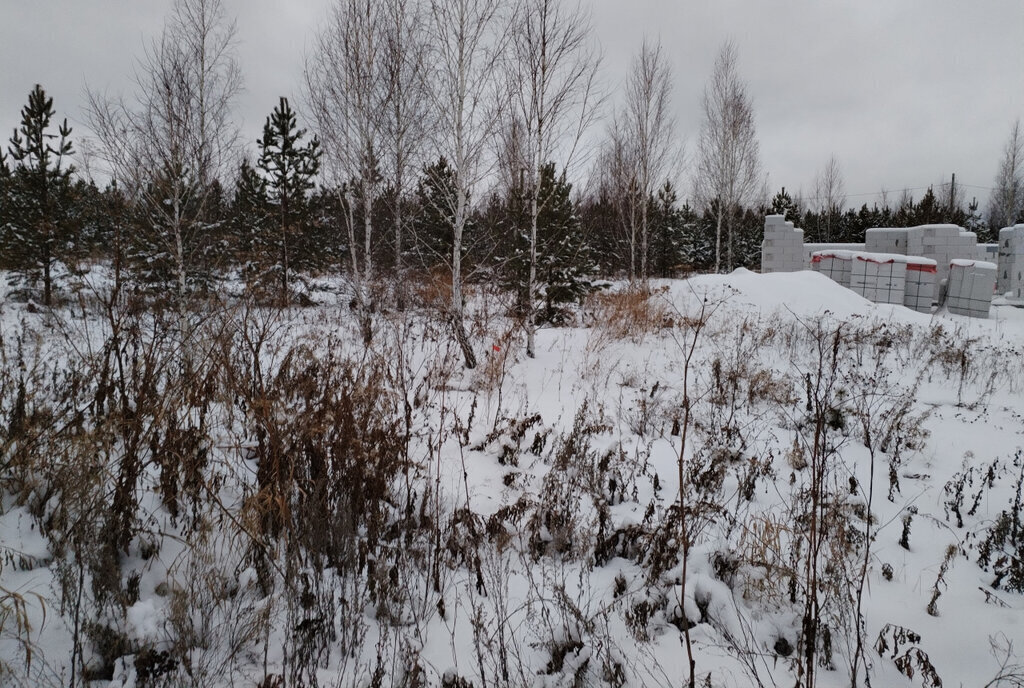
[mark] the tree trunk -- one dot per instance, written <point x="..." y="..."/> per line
<point x="399" y="267"/>
<point x="643" y="240"/>
<point x="729" y="232"/>
<point x="47" y="257"/>
<point x="531" y="285"/>
<point x="457" y="310"/>
<point x="718" y="239"/>
<point x="284" y="251"/>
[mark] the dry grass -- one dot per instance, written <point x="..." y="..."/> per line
<point x="432" y="289"/>
<point x="632" y="313"/>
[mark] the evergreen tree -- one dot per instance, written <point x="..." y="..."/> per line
<point x="288" y="168"/>
<point x="6" y="203"/>
<point x="250" y="216"/>
<point x="927" y="211"/>
<point x="667" y="232"/>
<point x="35" y="234"/>
<point x="432" y="225"/>
<point x="114" y="232"/>
<point x="974" y="222"/>
<point x="564" y="262"/>
<point x="783" y="204"/>
<point x="700" y="246"/>
<point x="169" y="247"/>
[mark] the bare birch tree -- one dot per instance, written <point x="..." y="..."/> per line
<point x="467" y="38"/>
<point x="168" y="144"/>
<point x="552" y="70"/>
<point x="347" y="92"/>
<point x="1006" y="205"/>
<point x="615" y="179"/>
<point x="649" y="126"/>
<point x="405" y="121"/>
<point x="830" y="196"/>
<point x="728" y="172"/>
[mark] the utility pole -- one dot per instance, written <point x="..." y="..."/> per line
<point x="952" y="194"/>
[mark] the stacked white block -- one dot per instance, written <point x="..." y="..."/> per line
<point x="987" y="252"/>
<point x="837" y="265"/>
<point x="879" y="277"/>
<point x="783" y="247"/>
<point x="946" y="243"/>
<point x="886" y="240"/>
<point x="811" y="249"/>
<point x="919" y="290"/>
<point x="941" y="243"/>
<point x="1010" y="280"/>
<point x="969" y="291"/>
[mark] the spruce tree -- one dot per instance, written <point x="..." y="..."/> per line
<point x="289" y="167"/>
<point x="38" y="188"/>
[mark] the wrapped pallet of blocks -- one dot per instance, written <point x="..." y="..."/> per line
<point x="919" y="292"/>
<point x="811" y="249"/>
<point x="969" y="291"/>
<point x="836" y="265"/>
<point x="879" y="277"/>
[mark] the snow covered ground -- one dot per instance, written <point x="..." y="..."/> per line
<point x="534" y="537"/>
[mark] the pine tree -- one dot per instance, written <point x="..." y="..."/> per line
<point x="783" y="204"/>
<point x="172" y="236"/>
<point x="432" y="225"/>
<point x="114" y="234"/>
<point x="38" y="191"/>
<point x="288" y="168"/>
<point x="250" y="216"/>
<point x="564" y="262"/>
<point x="974" y="222"/>
<point x="5" y="211"/>
<point x="666" y="232"/>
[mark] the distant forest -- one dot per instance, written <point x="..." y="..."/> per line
<point x="438" y="142"/>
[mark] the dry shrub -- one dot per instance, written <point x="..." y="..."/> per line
<point x="632" y="313"/>
<point x="497" y="359"/>
<point x="764" y="544"/>
<point x="432" y="289"/>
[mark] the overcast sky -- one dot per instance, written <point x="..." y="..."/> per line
<point x="903" y="92"/>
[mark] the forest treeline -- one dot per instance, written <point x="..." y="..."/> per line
<point x="440" y="142"/>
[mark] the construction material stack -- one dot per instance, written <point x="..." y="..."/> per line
<point x="945" y="243"/>
<point x="879" y="277"/>
<point x="941" y="243"/>
<point x="836" y="265"/>
<point x="988" y="253"/>
<point x="1011" y="262"/>
<point x="969" y="291"/>
<point x="919" y="291"/>
<point x="886" y="240"/>
<point x="811" y="249"/>
<point x="783" y="247"/>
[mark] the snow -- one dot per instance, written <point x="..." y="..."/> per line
<point x="966" y="263"/>
<point x="964" y="380"/>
